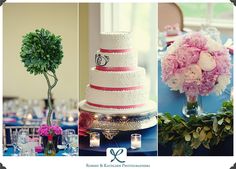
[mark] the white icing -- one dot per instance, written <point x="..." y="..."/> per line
<point x="120" y="40"/>
<point x="117" y="79"/>
<point x="125" y="59"/>
<point x="150" y="106"/>
<point x="116" y="98"/>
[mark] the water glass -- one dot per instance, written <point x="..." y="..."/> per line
<point x="162" y="44"/>
<point x="73" y="145"/>
<point x="66" y="139"/>
<point x="14" y="142"/>
<point x="23" y="137"/>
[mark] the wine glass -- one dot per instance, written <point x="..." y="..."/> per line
<point x="23" y="137"/>
<point x="162" y="44"/>
<point x="14" y="142"/>
<point x="66" y="140"/>
<point x="73" y="144"/>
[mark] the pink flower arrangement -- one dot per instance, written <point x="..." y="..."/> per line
<point x="85" y="122"/>
<point x="196" y="65"/>
<point x="45" y="129"/>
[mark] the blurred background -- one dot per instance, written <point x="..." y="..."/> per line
<point x="212" y="19"/>
<point x="19" y="19"/>
<point x="219" y="15"/>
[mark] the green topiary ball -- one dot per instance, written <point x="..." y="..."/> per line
<point x="41" y="51"/>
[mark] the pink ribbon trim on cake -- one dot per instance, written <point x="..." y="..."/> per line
<point x="115" y="107"/>
<point x="115" y="89"/>
<point x="114" y="50"/>
<point x="114" y="69"/>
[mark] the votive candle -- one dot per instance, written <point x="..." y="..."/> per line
<point x="136" y="141"/>
<point x="94" y="139"/>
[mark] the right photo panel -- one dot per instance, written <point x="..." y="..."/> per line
<point x="195" y="79"/>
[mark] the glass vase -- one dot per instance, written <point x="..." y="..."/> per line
<point x="192" y="106"/>
<point x="55" y="141"/>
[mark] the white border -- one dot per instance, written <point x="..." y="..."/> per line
<point x="1" y="74"/>
<point x="80" y="162"/>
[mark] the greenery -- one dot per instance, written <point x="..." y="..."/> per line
<point x="188" y="134"/>
<point x="41" y="53"/>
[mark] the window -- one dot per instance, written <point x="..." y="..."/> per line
<point x="214" y="14"/>
<point x="140" y="19"/>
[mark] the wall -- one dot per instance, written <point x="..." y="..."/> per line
<point x="83" y="49"/>
<point x="19" y="19"/>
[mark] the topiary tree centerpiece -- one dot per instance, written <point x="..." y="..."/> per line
<point x="41" y="53"/>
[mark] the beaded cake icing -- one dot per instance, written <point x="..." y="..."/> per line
<point x="116" y="82"/>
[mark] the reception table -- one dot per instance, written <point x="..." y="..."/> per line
<point x="9" y="152"/>
<point x="122" y="140"/>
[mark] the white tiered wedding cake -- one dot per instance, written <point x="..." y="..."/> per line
<point x="117" y="85"/>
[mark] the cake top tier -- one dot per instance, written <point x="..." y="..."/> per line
<point x="117" y="41"/>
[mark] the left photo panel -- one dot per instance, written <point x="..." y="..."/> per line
<point x="40" y="79"/>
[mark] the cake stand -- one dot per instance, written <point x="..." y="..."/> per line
<point x="110" y="123"/>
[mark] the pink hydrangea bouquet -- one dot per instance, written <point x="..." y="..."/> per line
<point x="196" y="65"/>
<point x="45" y="129"/>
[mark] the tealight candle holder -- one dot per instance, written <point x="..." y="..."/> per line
<point x="70" y="119"/>
<point x="94" y="139"/>
<point x="29" y="116"/>
<point x="136" y="141"/>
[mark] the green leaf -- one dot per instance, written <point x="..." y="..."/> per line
<point x="177" y="118"/>
<point x="221" y="121"/>
<point x="227" y="127"/>
<point x="227" y="120"/>
<point x="198" y="129"/>
<point x="206" y="144"/>
<point x="215" y="124"/>
<point x="206" y="128"/>
<point x="166" y="121"/>
<point x="195" y="135"/>
<point x="202" y="135"/>
<point x="187" y="137"/>
<point x="171" y="138"/>
<point x="209" y="135"/>
<point x="195" y="143"/>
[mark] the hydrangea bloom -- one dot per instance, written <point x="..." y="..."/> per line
<point x="44" y="130"/>
<point x="196" y="65"/>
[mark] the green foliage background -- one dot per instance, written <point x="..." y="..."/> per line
<point x="188" y="134"/>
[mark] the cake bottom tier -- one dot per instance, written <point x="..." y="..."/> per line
<point x="148" y="106"/>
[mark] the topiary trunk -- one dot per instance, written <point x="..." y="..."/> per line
<point x="50" y="87"/>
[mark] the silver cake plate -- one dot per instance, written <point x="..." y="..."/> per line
<point x="111" y="122"/>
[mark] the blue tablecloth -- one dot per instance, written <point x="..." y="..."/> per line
<point x="9" y="152"/>
<point x="149" y="144"/>
<point x="173" y="101"/>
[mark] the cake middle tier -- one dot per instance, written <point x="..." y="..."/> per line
<point x="111" y="99"/>
<point x="117" y="79"/>
<point x="125" y="59"/>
